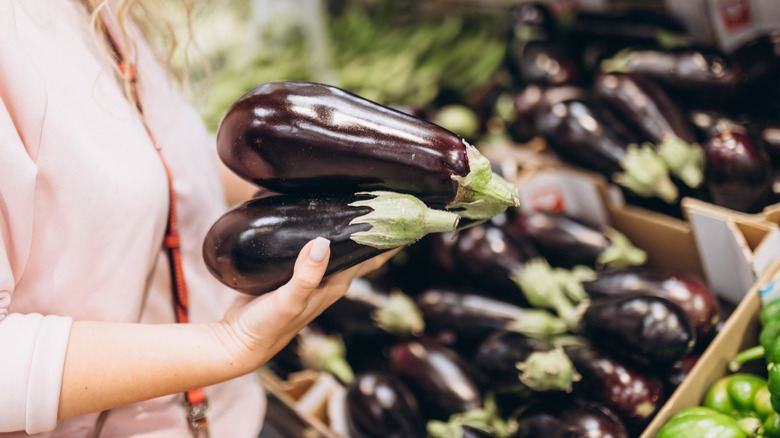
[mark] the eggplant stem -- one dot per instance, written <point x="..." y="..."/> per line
<point x="549" y="288"/>
<point x="486" y="419"/>
<point x="685" y="160"/>
<point x="399" y="219"/>
<point x="646" y="173"/>
<point x="621" y="253"/>
<point x="618" y="63"/>
<point x="482" y="193"/>
<point x="538" y="322"/>
<point x="746" y="356"/>
<point x="324" y="353"/>
<point x="399" y="315"/>
<point x="548" y="371"/>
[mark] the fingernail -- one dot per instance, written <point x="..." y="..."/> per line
<point x="319" y="249"/>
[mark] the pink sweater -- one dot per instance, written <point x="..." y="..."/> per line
<point x="83" y="207"/>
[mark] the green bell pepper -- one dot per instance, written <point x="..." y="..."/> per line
<point x="746" y="398"/>
<point x="701" y="422"/>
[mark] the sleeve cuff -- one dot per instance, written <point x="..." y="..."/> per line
<point x="32" y="357"/>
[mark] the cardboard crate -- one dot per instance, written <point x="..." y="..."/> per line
<point x="739" y="332"/>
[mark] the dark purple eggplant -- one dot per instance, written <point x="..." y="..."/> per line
<point x="485" y="254"/>
<point x="578" y="418"/>
<point x="543" y="62"/>
<point x="576" y="128"/>
<point x="769" y="136"/>
<point x="738" y="172"/>
<point x="759" y="60"/>
<point x="442" y="382"/>
<point x="301" y="137"/>
<point x="633" y="395"/>
<point x="708" y="122"/>
<point x="705" y="73"/>
<point x="567" y="242"/>
<point x="369" y="310"/>
<point x="649" y="331"/>
<point x="253" y="247"/>
<point x="510" y="361"/>
<point x="644" y="104"/>
<point x="683" y="288"/>
<point x="473" y="316"/>
<point x="379" y="405"/>
<point x="680" y="370"/>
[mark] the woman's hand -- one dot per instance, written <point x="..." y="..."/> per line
<point x="256" y="328"/>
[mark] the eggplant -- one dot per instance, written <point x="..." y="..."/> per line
<point x="738" y="174"/>
<point x="571" y="418"/>
<point x="703" y="72"/>
<point x="485" y="254"/>
<point x="473" y="316"/>
<point x="298" y="137"/>
<point x="647" y="330"/>
<point x="567" y="242"/>
<point x="542" y="62"/>
<point x="252" y="248"/>
<point x="683" y="288"/>
<point x="575" y="127"/>
<point x="635" y="396"/>
<point x="380" y="405"/>
<point x="439" y="377"/>
<point x="646" y="106"/>
<point x="680" y="370"/>
<point x="511" y="361"/>
<point x="369" y="310"/>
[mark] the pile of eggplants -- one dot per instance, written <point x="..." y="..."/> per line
<point x="367" y="177"/>
<point x="488" y="360"/>
<point x="600" y="88"/>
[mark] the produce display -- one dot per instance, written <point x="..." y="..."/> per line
<point x="494" y="320"/>
<point x="742" y="403"/>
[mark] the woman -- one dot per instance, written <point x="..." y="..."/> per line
<point x="88" y="340"/>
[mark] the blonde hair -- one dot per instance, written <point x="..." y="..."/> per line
<point x="148" y="19"/>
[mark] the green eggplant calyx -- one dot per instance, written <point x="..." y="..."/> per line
<point x="485" y="419"/>
<point x="482" y="193"/>
<point x="618" y="63"/>
<point x="673" y="40"/>
<point x="545" y="286"/>
<point x="400" y="315"/>
<point x="548" y="370"/>
<point x="325" y="353"/>
<point x="646" y="174"/>
<point x="399" y="219"/>
<point x="621" y="253"/>
<point x="538" y="322"/>
<point x="685" y="160"/>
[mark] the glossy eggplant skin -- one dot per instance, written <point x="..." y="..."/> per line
<point x="488" y="255"/>
<point x="644" y="104"/>
<point x="573" y="128"/>
<point x="298" y="137"/>
<point x="649" y="331"/>
<point x="497" y="357"/>
<point x="253" y="247"/>
<point x="705" y="72"/>
<point x="738" y="172"/>
<point x="571" y="418"/>
<point x="543" y="62"/>
<point x="442" y="382"/>
<point x="683" y="288"/>
<point x="563" y="241"/>
<point x="379" y="405"/>
<point x="634" y="396"/>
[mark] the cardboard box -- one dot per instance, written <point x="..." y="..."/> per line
<point x="735" y="248"/>
<point x="739" y="332"/>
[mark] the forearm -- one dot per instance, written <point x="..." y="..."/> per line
<point x="114" y="364"/>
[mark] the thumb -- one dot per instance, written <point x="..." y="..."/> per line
<point x="309" y="269"/>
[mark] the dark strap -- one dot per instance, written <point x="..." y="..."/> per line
<point x="195" y="399"/>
